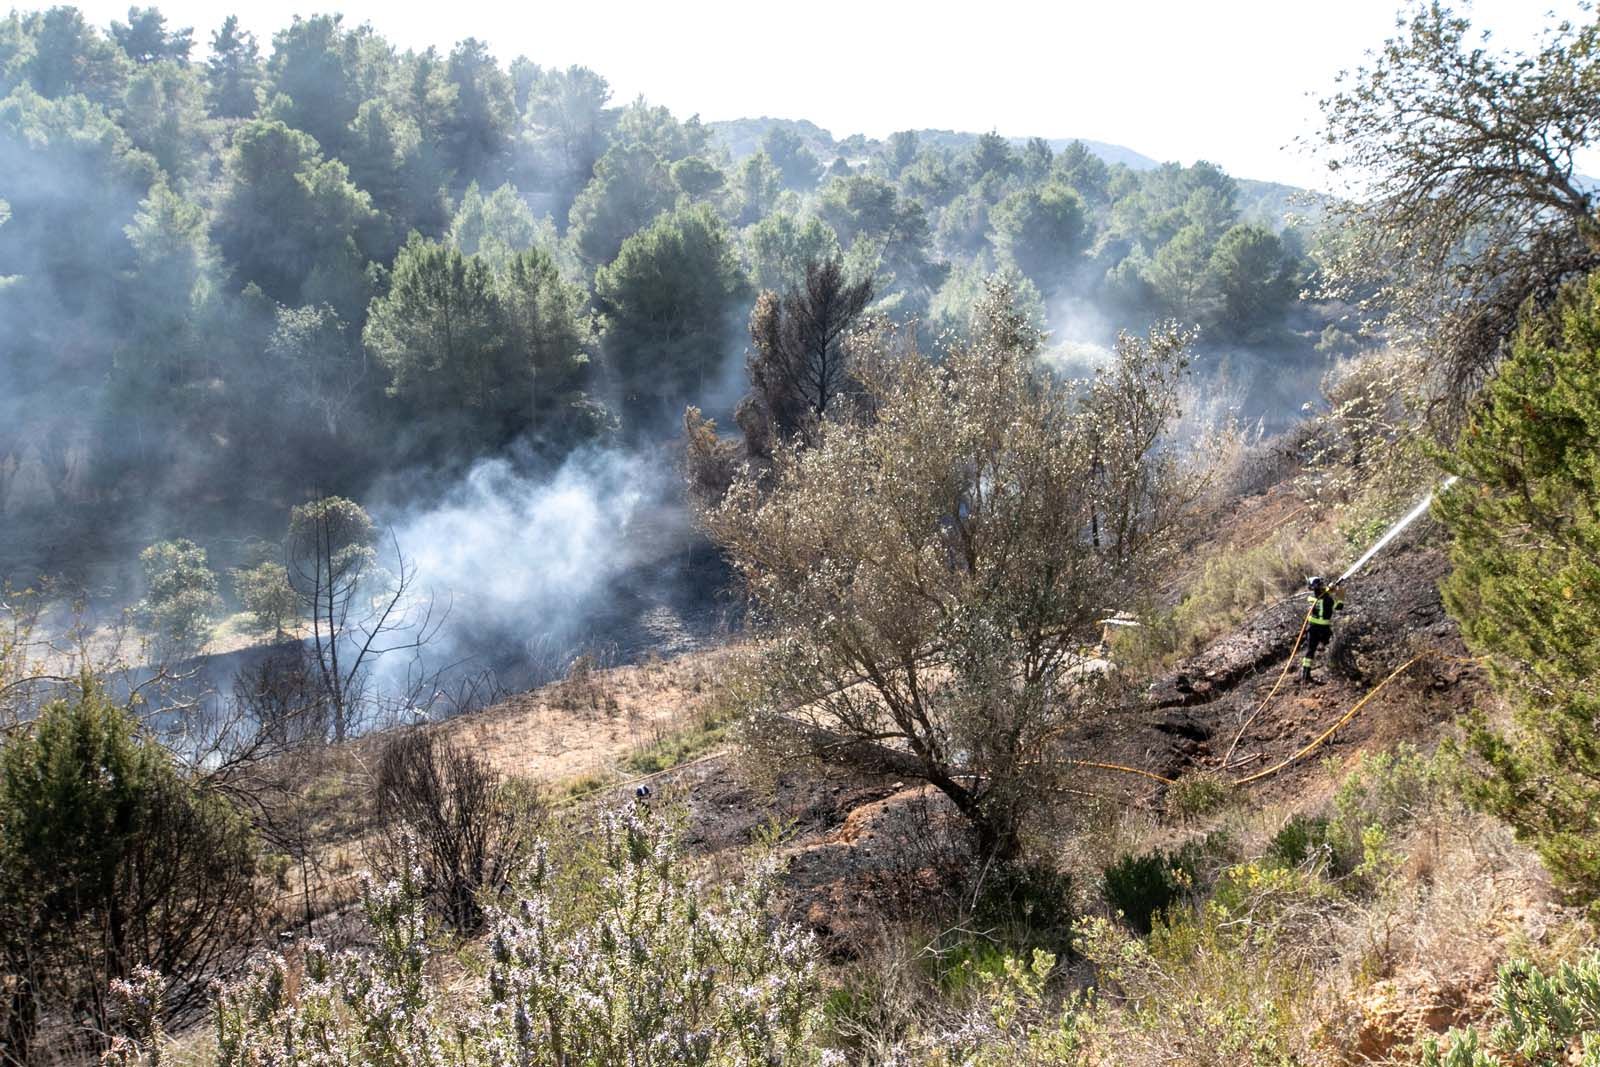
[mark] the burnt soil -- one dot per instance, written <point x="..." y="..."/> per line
<point x="1393" y="612"/>
<point x="863" y="848"/>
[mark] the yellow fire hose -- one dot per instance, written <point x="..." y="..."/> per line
<point x="1287" y="663"/>
<point x="1119" y="767"/>
<point x="1308" y="749"/>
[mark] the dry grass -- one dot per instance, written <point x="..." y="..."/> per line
<point x="572" y="737"/>
<point x="593" y="722"/>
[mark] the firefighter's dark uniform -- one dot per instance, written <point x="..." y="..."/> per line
<point x="1319" y="627"/>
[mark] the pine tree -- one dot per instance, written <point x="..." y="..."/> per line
<point x="1526" y="584"/>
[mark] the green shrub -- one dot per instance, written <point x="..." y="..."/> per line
<point x="1196" y="795"/>
<point x="1234" y="583"/>
<point x="1544" y="1019"/>
<point x="1298" y="840"/>
<point x="680" y="746"/>
<point x="1383" y="796"/>
<point x="264" y="592"/>
<point x="1029" y="904"/>
<point x="1231" y="584"/>
<point x="1140" y="887"/>
<point x="111" y="859"/>
<point x="1261" y="891"/>
<point x="1204" y="990"/>
<point x="963" y="965"/>
<point x="180" y="603"/>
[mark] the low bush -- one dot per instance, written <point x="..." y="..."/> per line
<point x="111" y="859"/>
<point x="1299" y="840"/>
<point x="704" y="735"/>
<point x="661" y="971"/>
<point x="1144" y="885"/>
<point x="1231" y="584"/>
<point x="1204" y="990"/>
<point x="1196" y="795"/>
<point x="1385" y="795"/>
<point x="1543" y="1018"/>
<point x="1141" y="887"/>
<point x="446" y="809"/>
<point x="1029" y="904"/>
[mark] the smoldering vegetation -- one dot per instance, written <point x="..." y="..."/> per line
<point x="349" y="389"/>
<point x="476" y="297"/>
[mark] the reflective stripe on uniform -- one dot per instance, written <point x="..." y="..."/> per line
<point x="1315" y="614"/>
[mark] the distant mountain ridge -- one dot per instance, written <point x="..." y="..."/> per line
<point x="742" y="137"/>
<point x="1271" y="204"/>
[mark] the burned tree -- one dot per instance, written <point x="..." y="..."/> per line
<point x="799" y="366"/>
<point x="929" y="579"/>
<point x="359" y="611"/>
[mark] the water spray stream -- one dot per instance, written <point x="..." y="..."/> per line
<point x="1394" y="530"/>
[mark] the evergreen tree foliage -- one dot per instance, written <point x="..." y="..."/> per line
<point x="1255" y="281"/>
<point x="479" y="356"/>
<point x="164" y="113"/>
<point x="1525" y="519"/>
<point x="145" y="39"/>
<point x="795" y="162"/>
<point x="671" y="298"/>
<point x="631" y="186"/>
<point x="292" y="220"/>
<point x="233" y="71"/>
<point x="779" y="247"/>
<point x="110" y="860"/>
<point x="1040" y="231"/>
<point x="319" y="74"/>
<point x="181" y="601"/>
<point x="195" y="242"/>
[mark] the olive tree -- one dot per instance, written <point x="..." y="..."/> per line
<point x="927" y="578"/>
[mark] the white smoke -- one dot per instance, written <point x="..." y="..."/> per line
<point x="508" y="544"/>
<point x="532" y="566"/>
<point x="1081" y="337"/>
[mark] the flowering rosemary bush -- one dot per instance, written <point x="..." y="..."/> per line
<point x="659" y="970"/>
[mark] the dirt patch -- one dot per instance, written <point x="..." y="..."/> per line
<point x="590" y="722"/>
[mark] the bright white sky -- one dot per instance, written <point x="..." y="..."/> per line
<point x="1232" y="81"/>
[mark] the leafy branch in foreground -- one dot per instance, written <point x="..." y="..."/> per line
<point x="1469" y="202"/>
<point x="1544" y="1017"/>
<point x="1525" y="519"/>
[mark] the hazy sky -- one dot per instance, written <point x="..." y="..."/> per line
<point x="1233" y="81"/>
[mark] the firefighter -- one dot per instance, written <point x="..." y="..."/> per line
<point x="1319" y="621"/>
